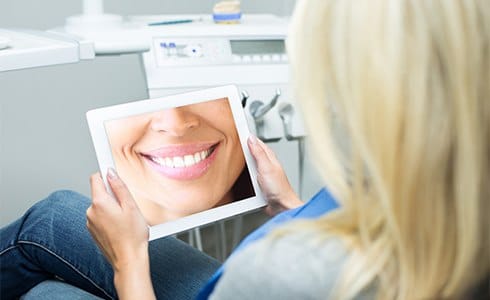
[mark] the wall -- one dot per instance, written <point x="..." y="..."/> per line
<point x="44" y="140"/>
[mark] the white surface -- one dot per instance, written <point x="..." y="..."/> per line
<point x="97" y="117"/>
<point x="136" y="36"/>
<point x="115" y="41"/>
<point x="97" y="22"/>
<point x="86" y="48"/>
<point x="30" y="48"/>
<point x="250" y="25"/>
<point x="109" y="33"/>
<point x="4" y="42"/>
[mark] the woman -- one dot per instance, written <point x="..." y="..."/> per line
<point x="181" y="160"/>
<point x="407" y="82"/>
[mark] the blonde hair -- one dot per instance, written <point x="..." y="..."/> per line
<point x="409" y="84"/>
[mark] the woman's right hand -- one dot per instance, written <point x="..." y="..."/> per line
<point x="275" y="186"/>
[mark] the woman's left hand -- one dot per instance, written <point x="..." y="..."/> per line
<point x="121" y="232"/>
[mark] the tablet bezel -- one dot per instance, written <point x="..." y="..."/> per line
<point x="96" y="119"/>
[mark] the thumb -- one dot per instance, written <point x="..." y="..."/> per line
<point x="119" y="188"/>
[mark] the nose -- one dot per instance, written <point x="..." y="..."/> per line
<point x="174" y="121"/>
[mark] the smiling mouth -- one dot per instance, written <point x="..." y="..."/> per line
<point x="184" y="161"/>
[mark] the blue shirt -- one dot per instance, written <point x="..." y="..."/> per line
<point x="320" y="204"/>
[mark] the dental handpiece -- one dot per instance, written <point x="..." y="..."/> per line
<point x="259" y="110"/>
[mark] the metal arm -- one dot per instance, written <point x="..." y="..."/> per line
<point x="258" y="109"/>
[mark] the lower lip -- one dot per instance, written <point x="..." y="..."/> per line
<point x="185" y="173"/>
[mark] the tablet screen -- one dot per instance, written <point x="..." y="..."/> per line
<point x="183" y="157"/>
<point x="181" y="160"/>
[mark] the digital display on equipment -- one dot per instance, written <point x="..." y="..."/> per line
<point x="257" y="47"/>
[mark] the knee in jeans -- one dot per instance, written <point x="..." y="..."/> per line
<point x="61" y="209"/>
<point x="65" y="196"/>
<point x="62" y="201"/>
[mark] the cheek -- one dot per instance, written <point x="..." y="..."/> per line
<point x="124" y="138"/>
<point x="124" y="133"/>
<point x="228" y="128"/>
<point x="237" y="157"/>
<point x="235" y="149"/>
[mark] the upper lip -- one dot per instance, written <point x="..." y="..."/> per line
<point x="179" y="149"/>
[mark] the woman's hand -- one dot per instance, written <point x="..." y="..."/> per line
<point x="275" y="186"/>
<point x="121" y="232"/>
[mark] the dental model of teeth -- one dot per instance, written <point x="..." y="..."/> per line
<point x="182" y="161"/>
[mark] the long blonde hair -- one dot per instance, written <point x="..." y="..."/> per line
<point x="409" y="84"/>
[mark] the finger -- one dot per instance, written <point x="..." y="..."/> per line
<point x="97" y="186"/>
<point x="89" y="213"/>
<point x="259" y="153"/>
<point x="268" y="151"/>
<point x="271" y="162"/>
<point x="119" y="189"/>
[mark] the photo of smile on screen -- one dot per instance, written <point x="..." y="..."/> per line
<point x="184" y="158"/>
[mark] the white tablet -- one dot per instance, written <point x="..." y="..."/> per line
<point x="183" y="157"/>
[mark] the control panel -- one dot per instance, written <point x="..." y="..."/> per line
<point x="215" y="51"/>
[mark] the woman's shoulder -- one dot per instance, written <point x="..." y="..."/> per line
<point x="296" y="265"/>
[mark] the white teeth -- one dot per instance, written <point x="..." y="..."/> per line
<point x="158" y="160"/>
<point x="179" y="161"/>
<point x="189" y="160"/>
<point x="169" y="162"/>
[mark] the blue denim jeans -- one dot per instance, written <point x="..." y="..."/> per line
<point x="51" y="241"/>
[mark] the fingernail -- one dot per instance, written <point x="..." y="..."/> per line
<point x="111" y="173"/>
<point x="253" y="139"/>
